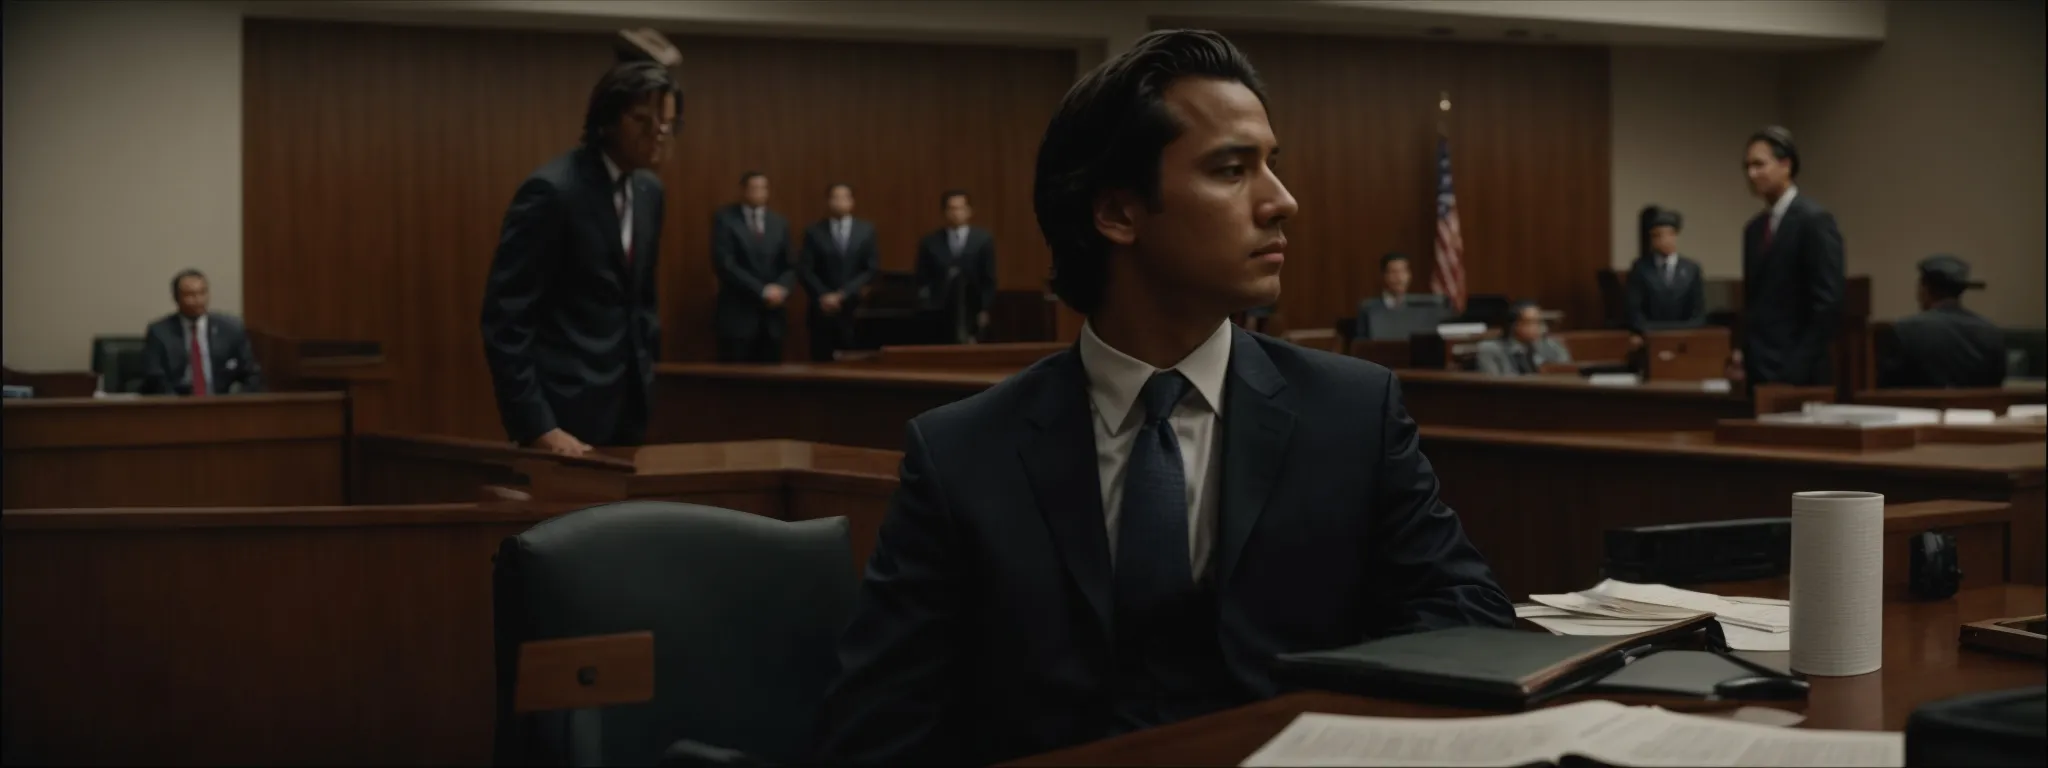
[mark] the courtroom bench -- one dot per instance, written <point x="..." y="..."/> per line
<point x="254" y="449"/>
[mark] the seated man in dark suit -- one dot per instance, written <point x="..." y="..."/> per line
<point x="192" y="333"/>
<point x="1126" y="533"/>
<point x="1665" y="290"/>
<point x="956" y="271"/>
<point x="1396" y="314"/>
<point x="1945" y="345"/>
<point x="1526" y="348"/>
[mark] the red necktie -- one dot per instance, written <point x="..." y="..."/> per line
<point x="199" y="388"/>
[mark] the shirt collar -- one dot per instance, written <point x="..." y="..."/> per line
<point x="1115" y="378"/>
<point x="1390" y="299"/>
<point x="1784" y="202"/>
<point x="610" y="167"/>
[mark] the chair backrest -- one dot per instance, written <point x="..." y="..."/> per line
<point x="118" y="361"/>
<point x="745" y="610"/>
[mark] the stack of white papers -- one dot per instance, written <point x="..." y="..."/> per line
<point x="2024" y="413"/>
<point x="1602" y="731"/>
<point x="1620" y="608"/>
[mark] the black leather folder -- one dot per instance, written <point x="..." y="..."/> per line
<point x="1483" y="667"/>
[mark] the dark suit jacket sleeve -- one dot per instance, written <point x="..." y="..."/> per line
<point x="1429" y="574"/>
<point x="1822" y="254"/>
<point x="250" y="374"/>
<point x="156" y="363"/>
<point x="898" y="680"/>
<point x="513" y="293"/>
<point x="784" y="275"/>
<point x="864" y="260"/>
<point x="1638" y="298"/>
<point x="727" y="255"/>
<point x="807" y="264"/>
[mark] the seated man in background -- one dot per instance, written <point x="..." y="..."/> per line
<point x="1945" y="345"/>
<point x="1126" y="533"/>
<point x="1665" y="290"/>
<point x="1527" y="347"/>
<point x="956" y="271"/>
<point x="217" y="341"/>
<point x="1396" y="314"/>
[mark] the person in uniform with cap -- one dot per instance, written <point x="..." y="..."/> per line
<point x="1944" y="345"/>
<point x="1665" y="289"/>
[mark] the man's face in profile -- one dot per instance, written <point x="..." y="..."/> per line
<point x="644" y="130"/>
<point x="1213" y="232"/>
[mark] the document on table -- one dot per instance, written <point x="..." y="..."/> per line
<point x="1621" y="608"/>
<point x="1600" y="730"/>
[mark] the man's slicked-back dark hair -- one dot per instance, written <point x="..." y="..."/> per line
<point x="623" y="86"/>
<point x="1108" y="135"/>
<point x="1390" y="258"/>
<point x="180" y="277"/>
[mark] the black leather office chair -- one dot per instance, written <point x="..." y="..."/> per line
<point x="745" y="611"/>
<point x="118" y="361"/>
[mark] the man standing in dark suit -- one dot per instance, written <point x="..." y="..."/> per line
<point x="1792" y="271"/>
<point x="956" y="271"/>
<point x="1945" y="345"/>
<point x="571" y="328"/>
<point x="1126" y="533"/>
<point x="171" y="344"/>
<point x="838" y="261"/>
<point x="750" y="251"/>
<point x="1665" y="290"/>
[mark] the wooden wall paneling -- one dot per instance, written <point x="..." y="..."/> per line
<point x="1529" y="155"/>
<point x="378" y="161"/>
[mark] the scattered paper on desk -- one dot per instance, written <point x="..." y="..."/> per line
<point x="2027" y="412"/>
<point x="1601" y="730"/>
<point x="1837" y="413"/>
<point x="1716" y="385"/>
<point x="1620" y="608"/>
<point x="1614" y="380"/>
<point x="1453" y="330"/>
<point x="1968" y="416"/>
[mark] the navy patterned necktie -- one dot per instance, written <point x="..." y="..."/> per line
<point x="1152" y="566"/>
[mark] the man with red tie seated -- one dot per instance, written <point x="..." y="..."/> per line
<point x="570" y="324"/>
<point x="218" y="341"/>
<point x="1126" y="533"/>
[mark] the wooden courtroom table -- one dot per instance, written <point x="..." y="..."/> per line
<point x="1537" y="503"/>
<point x="1922" y="663"/>
<point x="1988" y="398"/>
<point x="1570" y="402"/>
<point x="260" y="449"/>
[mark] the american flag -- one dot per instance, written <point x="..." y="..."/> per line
<point x="1448" y="279"/>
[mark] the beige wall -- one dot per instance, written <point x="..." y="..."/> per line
<point x="1933" y="143"/>
<point x="123" y="164"/>
<point x="1679" y="117"/>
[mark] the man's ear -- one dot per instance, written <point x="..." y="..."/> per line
<point x="1117" y="214"/>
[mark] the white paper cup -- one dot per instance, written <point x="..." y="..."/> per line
<point x="1837" y="582"/>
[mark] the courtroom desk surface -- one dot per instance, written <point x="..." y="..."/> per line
<point x="1922" y="663"/>
<point x="242" y="450"/>
<point x="2021" y="463"/>
<point x="967" y="381"/>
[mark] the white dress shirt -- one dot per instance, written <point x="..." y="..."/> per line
<point x="842" y="231"/>
<point x="1668" y="263"/>
<point x="622" y="201"/>
<point x="1392" y="301"/>
<point x="1114" y="381"/>
<point x="757" y="218"/>
<point x="205" y="361"/>
<point x="1778" y="208"/>
<point x="959" y="240"/>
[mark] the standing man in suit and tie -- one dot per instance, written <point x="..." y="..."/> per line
<point x="750" y="251"/>
<point x="1397" y="314"/>
<point x="1665" y="289"/>
<point x="956" y="270"/>
<point x="217" y="341"/>
<point x="1126" y="533"/>
<point x="570" y="324"/>
<point x="838" y="260"/>
<point x="1792" y="272"/>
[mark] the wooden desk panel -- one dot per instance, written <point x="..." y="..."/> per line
<point x="1988" y="398"/>
<point x="264" y="449"/>
<point x="1537" y="504"/>
<point x="1922" y="663"/>
<point x="1559" y="402"/>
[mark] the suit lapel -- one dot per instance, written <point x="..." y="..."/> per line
<point x="1258" y="418"/>
<point x="642" y="252"/>
<point x="1060" y="460"/>
<point x="604" y="203"/>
